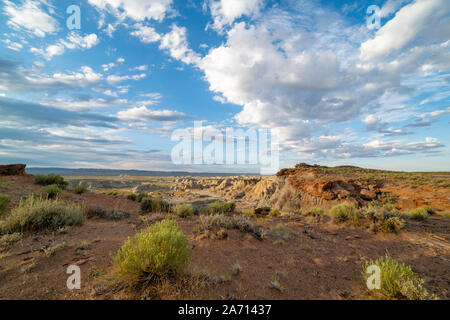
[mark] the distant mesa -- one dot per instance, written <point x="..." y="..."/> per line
<point x="12" y="170"/>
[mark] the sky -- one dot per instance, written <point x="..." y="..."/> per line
<point x="336" y="90"/>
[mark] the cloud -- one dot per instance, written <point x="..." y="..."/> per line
<point x="138" y="10"/>
<point x="24" y="112"/>
<point x="16" y="78"/>
<point x="30" y="17"/>
<point x="143" y="114"/>
<point x="423" y="20"/>
<point x="145" y="34"/>
<point x="114" y="79"/>
<point x="177" y="45"/>
<point x="225" y="12"/>
<point x="16" y="46"/>
<point x="74" y="41"/>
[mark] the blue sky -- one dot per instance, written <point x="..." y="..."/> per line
<point x="110" y="94"/>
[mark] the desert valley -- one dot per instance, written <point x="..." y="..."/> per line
<point x="308" y="232"/>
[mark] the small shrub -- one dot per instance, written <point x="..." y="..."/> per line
<point x="345" y="213"/>
<point x="429" y="210"/>
<point x="249" y="213"/>
<point x="218" y="221"/>
<point x="154" y="205"/>
<point x="398" y="281"/>
<point x="4" y="203"/>
<point x="281" y="232"/>
<point x="46" y="180"/>
<point x="52" y="191"/>
<point x="262" y="211"/>
<point x="315" y="214"/>
<point x="97" y="211"/>
<point x="80" y="190"/>
<point x="275" y="213"/>
<point x="9" y="239"/>
<point x="184" y="210"/>
<point x="383" y="221"/>
<point x="391" y="225"/>
<point x="34" y="214"/>
<point x="141" y="196"/>
<point x="221" y="207"/>
<point x="419" y="214"/>
<point x="160" y="250"/>
<point x="132" y="197"/>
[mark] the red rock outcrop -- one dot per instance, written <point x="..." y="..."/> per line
<point x="12" y="170"/>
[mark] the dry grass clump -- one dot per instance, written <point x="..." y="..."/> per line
<point x="398" y="281"/>
<point x="35" y="214"/>
<point x="160" y="250"/>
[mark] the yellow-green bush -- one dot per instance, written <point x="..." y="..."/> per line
<point x="52" y="191"/>
<point x="398" y="281"/>
<point x="221" y="207"/>
<point x="160" y="250"/>
<point x="345" y="213"/>
<point x="419" y="214"/>
<point x="35" y="214"/>
<point x="4" y="202"/>
<point x="47" y="180"/>
<point x="184" y="210"/>
<point x="80" y="190"/>
<point x="154" y="205"/>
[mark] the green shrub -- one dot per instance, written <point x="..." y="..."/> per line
<point x="398" y="281"/>
<point x="46" y="180"/>
<point x="141" y="196"/>
<point x="154" y="205"/>
<point x="9" y="239"/>
<point x="249" y="213"/>
<point x="80" y="190"/>
<point x="391" y="225"/>
<point x="184" y="210"/>
<point x="345" y="213"/>
<point x="275" y="213"/>
<point x="429" y="210"/>
<point x="383" y="221"/>
<point x="315" y="214"/>
<point x="4" y="203"/>
<point x="52" y="191"/>
<point x="132" y="197"/>
<point x="215" y="221"/>
<point x="281" y="232"/>
<point x="419" y="214"/>
<point x="221" y="207"/>
<point x="160" y="250"/>
<point x="34" y="214"/>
